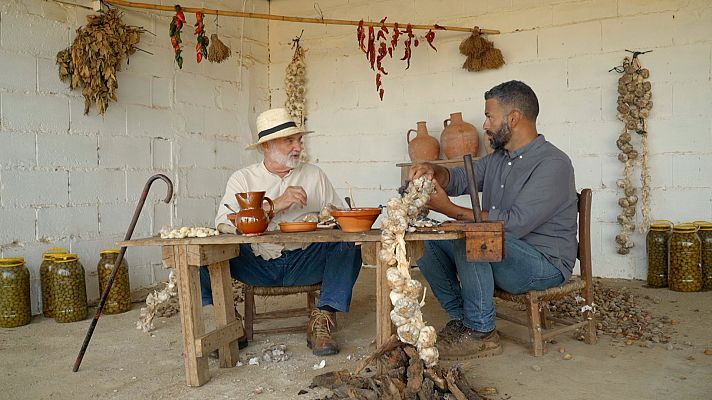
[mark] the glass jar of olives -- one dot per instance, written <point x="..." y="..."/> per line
<point x="656" y="244"/>
<point x="705" y="234"/>
<point x="14" y="293"/>
<point x="685" y="272"/>
<point x="119" y="299"/>
<point x="47" y="262"/>
<point x="68" y="288"/>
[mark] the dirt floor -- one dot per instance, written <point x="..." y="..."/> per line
<point x="122" y="362"/>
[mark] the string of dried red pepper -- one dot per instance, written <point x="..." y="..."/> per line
<point x="201" y="47"/>
<point x="175" y="28"/>
<point x="377" y="46"/>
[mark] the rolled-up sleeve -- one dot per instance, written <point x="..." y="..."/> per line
<point x="457" y="186"/>
<point x="537" y="203"/>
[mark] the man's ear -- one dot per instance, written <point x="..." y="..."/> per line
<point x="514" y="117"/>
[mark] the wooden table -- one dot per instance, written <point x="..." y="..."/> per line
<point x="186" y="255"/>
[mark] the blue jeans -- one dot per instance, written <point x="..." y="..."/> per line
<point x="465" y="289"/>
<point x="335" y="265"/>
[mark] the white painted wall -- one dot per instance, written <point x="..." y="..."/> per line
<point x="563" y="49"/>
<point x="73" y="180"/>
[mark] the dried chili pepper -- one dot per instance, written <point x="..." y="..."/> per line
<point x="201" y="47"/>
<point x="361" y="36"/>
<point x="371" y="54"/>
<point x="430" y="36"/>
<point x="174" y="31"/>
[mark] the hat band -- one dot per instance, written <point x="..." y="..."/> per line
<point x="290" y="124"/>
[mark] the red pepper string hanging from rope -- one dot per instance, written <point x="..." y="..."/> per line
<point x="201" y="47"/>
<point x="381" y="43"/>
<point x="175" y="28"/>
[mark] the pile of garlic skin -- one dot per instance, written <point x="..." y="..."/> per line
<point x="162" y="303"/>
<point x="188" y="231"/>
<point x="634" y="106"/>
<point x="295" y="85"/>
<point x="407" y="294"/>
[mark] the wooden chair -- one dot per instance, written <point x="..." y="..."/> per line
<point x="538" y="323"/>
<point x="251" y="315"/>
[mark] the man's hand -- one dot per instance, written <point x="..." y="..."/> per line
<point x="294" y="195"/>
<point x="439" y="200"/>
<point x="437" y="172"/>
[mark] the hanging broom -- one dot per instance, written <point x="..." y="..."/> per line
<point x="217" y="52"/>
<point x="481" y="53"/>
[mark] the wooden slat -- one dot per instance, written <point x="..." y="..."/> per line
<point x="292" y="312"/>
<point x="224" y="308"/>
<point x="484" y="246"/>
<point x="512" y="319"/>
<point x="215" y="340"/>
<point x="284" y="329"/>
<point x="191" y="316"/>
<point x="558" y="331"/>
<point x="211" y="254"/>
<point x="318" y="236"/>
<point x="368" y="253"/>
<point x="167" y="255"/>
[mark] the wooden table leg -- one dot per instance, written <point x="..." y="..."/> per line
<point x="196" y="368"/>
<point x="224" y="308"/>
<point x="384" y="327"/>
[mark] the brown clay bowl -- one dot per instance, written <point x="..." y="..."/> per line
<point x="356" y="219"/>
<point x="289" y="227"/>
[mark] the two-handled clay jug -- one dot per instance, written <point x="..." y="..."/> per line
<point x="422" y="147"/>
<point x="459" y="137"/>
<point x="252" y="219"/>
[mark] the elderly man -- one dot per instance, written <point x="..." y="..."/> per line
<point x="297" y="189"/>
<point x="529" y="184"/>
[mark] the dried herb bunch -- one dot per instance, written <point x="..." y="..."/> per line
<point x="96" y="54"/>
<point x="481" y="53"/>
<point x="218" y="51"/>
<point x="295" y="84"/>
<point x="634" y="105"/>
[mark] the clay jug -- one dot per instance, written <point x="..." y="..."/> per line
<point x="252" y="219"/>
<point x="459" y="137"/>
<point x="422" y="147"/>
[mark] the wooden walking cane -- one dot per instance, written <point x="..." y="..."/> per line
<point x="120" y="258"/>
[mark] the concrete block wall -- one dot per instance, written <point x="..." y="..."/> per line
<point x="73" y="180"/>
<point x="562" y="48"/>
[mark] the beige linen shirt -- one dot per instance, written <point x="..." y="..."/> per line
<point x="257" y="177"/>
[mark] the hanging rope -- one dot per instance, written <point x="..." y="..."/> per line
<point x="323" y="21"/>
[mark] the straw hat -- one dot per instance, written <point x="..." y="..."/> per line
<point x="274" y="124"/>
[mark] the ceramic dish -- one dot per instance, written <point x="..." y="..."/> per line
<point x="356" y="219"/>
<point x="290" y="227"/>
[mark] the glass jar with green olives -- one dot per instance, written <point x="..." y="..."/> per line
<point x="705" y="234"/>
<point x="685" y="271"/>
<point x="68" y="288"/>
<point x="14" y="293"/>
<point x="119" y="299"/>
<point x="47" y="262"/>
<point x="656" y="245"/>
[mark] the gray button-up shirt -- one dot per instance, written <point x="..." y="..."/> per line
<point x="533" y="191"/>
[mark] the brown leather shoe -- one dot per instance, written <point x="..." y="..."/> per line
<point x="319" y="333"/>
<point x="453" y="327"/>
<point x="468" y="344"/>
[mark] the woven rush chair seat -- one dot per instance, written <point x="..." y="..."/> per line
<point x="538" y="322"/>
<point x="251" y="315"/>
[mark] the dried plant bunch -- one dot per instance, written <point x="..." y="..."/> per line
<point x="407" y="295"/>
<point x="634" y="106"/>
<point x="218" y="51"/>
<point x="295" y="85"/>
<point x="480" y="52"/>
<point x="92" y="61"/>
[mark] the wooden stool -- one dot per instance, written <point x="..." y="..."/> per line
<point x="537" y="321"/>
<point x="251" y="315"/>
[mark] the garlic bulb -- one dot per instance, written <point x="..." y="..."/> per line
<point x="187" y="231"/>
<point x="162" y="303"/>
<point x="429" y="355"/>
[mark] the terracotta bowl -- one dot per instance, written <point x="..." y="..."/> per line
<point x="288" y="227"/>
<point x="356" y="219"/>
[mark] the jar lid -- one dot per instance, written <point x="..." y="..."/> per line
<point x="110" y="251"/>
<point x="661" y="225"/>
<point x="685" y="228"/>
<point x="51" y="256"/>
<point x="55" y="250"/>
<point x="11" y="262"/>
<point x="66" y="257"/>
<point x="704" y="225"/>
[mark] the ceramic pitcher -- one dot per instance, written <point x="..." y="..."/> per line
<point x="459" y="137"/>
<point x="252" y="218"/>
<point x="422" y="147"/>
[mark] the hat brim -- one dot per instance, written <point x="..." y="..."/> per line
<point x="278" y="135"/>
